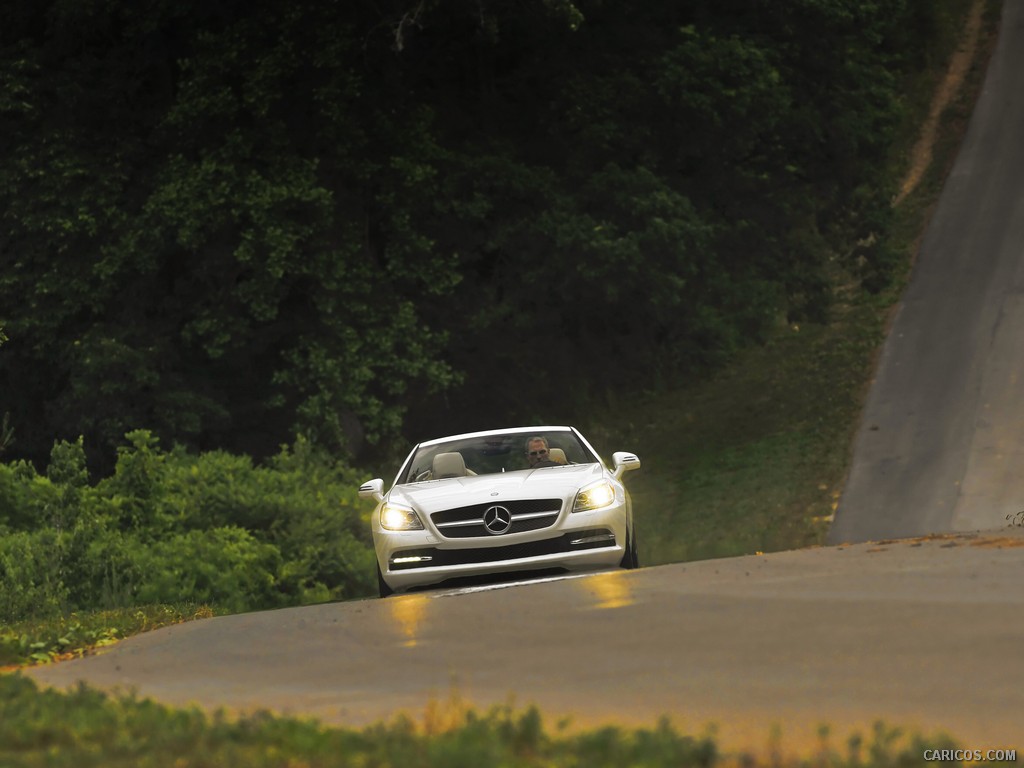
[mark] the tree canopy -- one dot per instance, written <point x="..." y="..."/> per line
<point x="235" y="221"/>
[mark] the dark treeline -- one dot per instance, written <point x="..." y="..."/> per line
<point x="230" y="221"/>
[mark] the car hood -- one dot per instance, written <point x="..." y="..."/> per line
<point x="544" y="483"/>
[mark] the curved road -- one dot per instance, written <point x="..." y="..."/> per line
<point x="941" y="443"/>
<point x="924" y="633"/>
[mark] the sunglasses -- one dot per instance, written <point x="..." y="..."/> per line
<point x="541" y="452"/>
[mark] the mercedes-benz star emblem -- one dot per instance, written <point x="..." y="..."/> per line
<point x="497" y="520"/>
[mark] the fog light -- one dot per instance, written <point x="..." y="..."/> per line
<point x="593" y="539"/>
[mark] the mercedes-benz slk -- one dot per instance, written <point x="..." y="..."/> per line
<point x="504" y="501"/>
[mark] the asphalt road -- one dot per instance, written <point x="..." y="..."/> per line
<point x="922" y="633"/>
<point x="941" y="444"/>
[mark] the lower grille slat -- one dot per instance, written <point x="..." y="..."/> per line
<point x="431" y="557"/>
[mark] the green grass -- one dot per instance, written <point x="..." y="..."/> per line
<point x="40" y="641"/>
<point x="752" y="459"/>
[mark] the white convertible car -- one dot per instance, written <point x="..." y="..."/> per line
<point x="501" y="502"/>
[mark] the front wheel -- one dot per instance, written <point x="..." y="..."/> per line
<point x="630" y="558"/>
<point x="382" y="586"/>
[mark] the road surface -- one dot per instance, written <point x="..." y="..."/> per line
<point x="925" y="634"/>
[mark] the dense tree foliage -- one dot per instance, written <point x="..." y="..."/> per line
<point x="229" y="222"/>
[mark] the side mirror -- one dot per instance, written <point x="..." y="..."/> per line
<point x="623" y="462"/>
<point x="373" y="489"/>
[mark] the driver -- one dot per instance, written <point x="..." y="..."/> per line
<point x="537" y="453"/>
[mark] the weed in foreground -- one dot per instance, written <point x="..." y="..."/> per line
<point x="85" y="728"/>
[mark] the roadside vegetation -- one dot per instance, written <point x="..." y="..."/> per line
<point x="709" y="291"/>
<point x="74" y="633"/>
<point x="169" y="536"/>
<point x="86" y="728"/>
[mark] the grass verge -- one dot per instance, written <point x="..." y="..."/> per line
<point x="40" y="641"/>
<point x="754" y="458"/>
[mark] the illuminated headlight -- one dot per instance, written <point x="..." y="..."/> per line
<point x="595" y="496"/>
<point x="395" y="518"/>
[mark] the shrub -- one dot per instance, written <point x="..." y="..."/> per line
<point x="105" y="566"/>
<point x="30" y="572"/>
<point x="26" y="499"/>
<point x="174" y="526"/>
<point x="224" y="566"/>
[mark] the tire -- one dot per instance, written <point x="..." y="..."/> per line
<point x="630" y="558"/>
<point x="382" y="586"/>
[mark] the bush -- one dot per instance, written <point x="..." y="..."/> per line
<point x="30" y="572"/>
<point x="106" y="567"/>
<point x="26" y="499"/>
<point x="174" y="526"/>
<point x="227" y="567"/>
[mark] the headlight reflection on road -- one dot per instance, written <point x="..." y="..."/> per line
<point x="408" y="611"/>
<point x="611" y="589"/>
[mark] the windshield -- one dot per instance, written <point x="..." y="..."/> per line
<point x="496" y="453"/>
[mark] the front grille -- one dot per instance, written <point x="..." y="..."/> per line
<point x="467" y="522"/>
<point x="432" y="557"/>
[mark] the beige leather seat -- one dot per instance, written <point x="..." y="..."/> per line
<point x="557" y="454"/>
<point x="448" y="465"/>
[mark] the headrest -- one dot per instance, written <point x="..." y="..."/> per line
<point x="448" y="465"/>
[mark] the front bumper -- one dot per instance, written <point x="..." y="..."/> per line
<point x="580" y="541"/>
